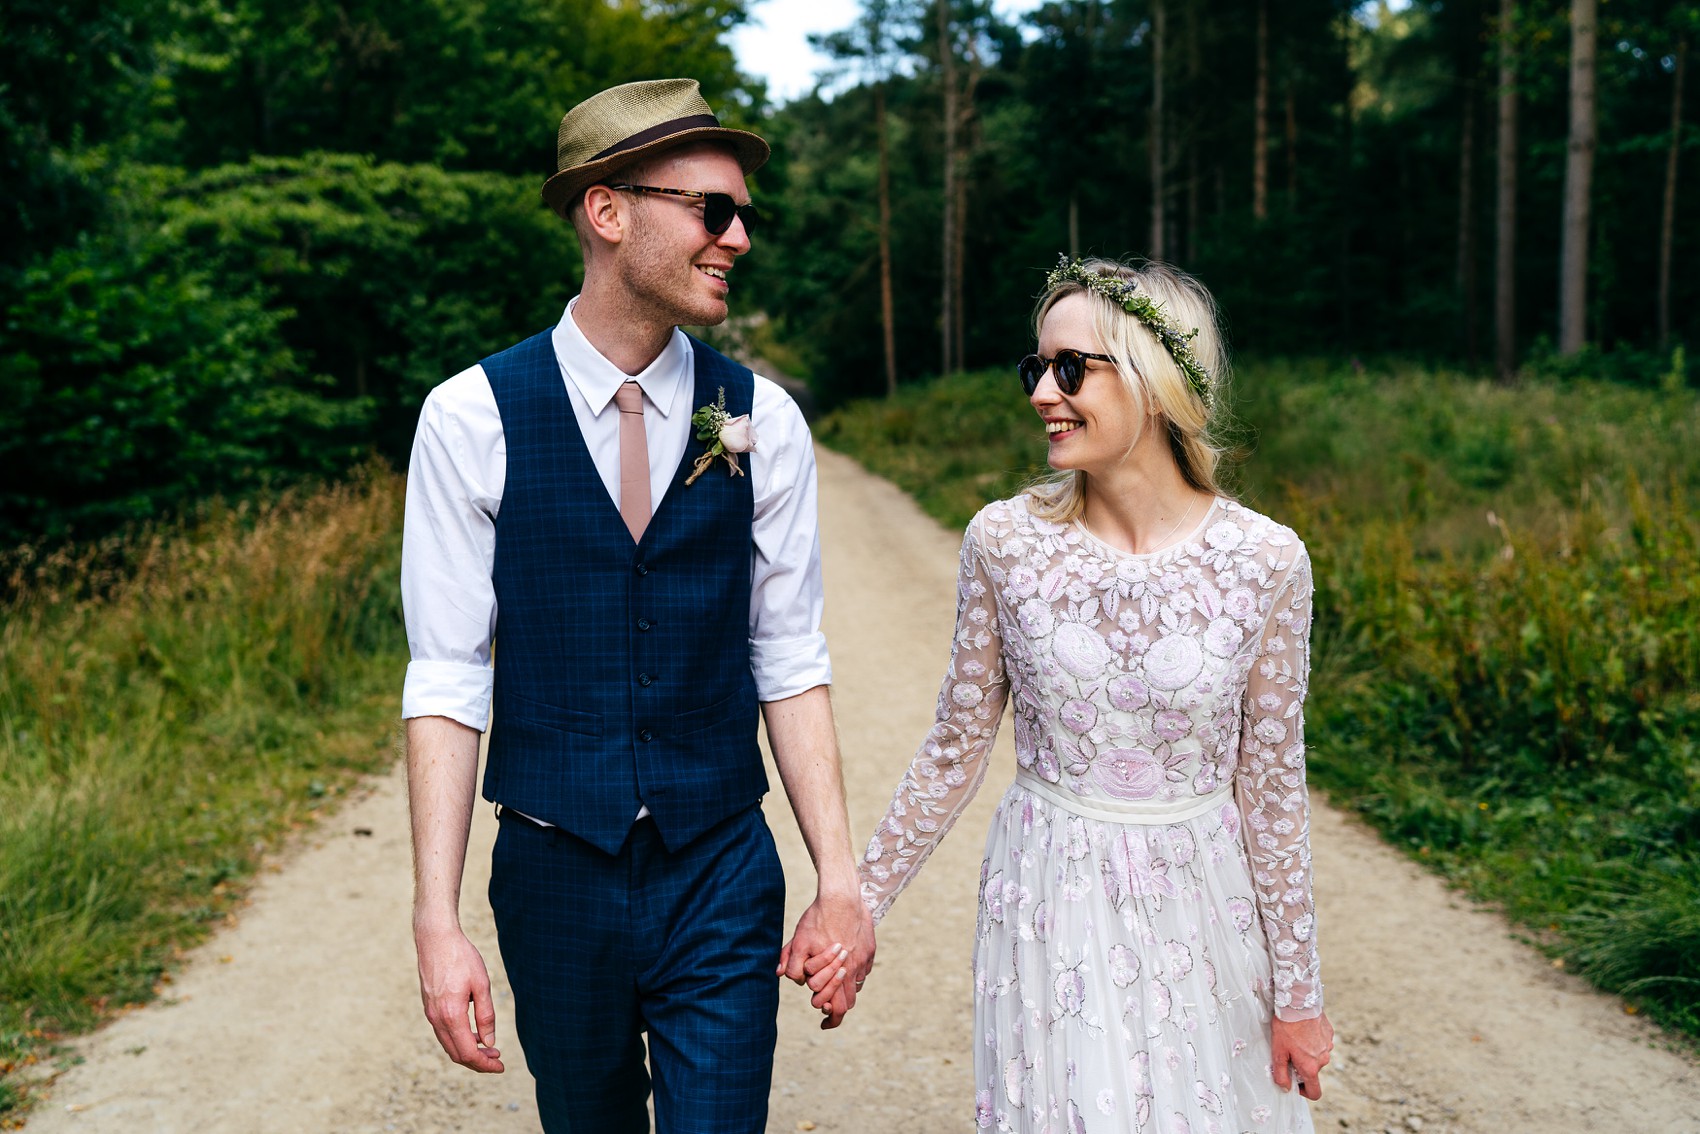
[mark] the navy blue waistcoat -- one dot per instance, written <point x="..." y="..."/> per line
<point x="622" y="671"/>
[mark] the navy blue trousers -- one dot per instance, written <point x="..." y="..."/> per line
<point x="601" y="948"/>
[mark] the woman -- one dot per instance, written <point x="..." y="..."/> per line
<point x="1145" y="957"/>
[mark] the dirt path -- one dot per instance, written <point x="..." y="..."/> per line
<point x="305" y="1015"/>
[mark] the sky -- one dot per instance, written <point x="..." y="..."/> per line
<point x="775" y="43"/>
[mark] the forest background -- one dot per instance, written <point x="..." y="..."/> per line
<point x="240" y="240"/>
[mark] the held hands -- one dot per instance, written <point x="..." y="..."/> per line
<point x="1300" y="1049"/>
<point x="451" y="976"/>
<point x="832" y="952"/>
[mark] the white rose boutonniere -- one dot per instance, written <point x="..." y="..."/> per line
<point x="727" y="436"/>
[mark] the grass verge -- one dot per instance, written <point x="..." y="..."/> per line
<point x="1507" y="642"/>
<point x="171" y="704"/>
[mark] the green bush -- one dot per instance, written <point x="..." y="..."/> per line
<point x="136" y="387"/>
<point x="257" y="324"/>
<point x="391" y="277"/>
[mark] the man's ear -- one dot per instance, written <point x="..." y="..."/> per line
<point x="605" y="214"/>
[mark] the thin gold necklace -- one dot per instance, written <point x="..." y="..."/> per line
<point x="1164" y="542"/>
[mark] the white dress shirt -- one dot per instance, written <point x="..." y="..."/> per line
<point x="454" y="492"/>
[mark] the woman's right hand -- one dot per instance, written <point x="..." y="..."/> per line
<point x="1300" y="1048"/>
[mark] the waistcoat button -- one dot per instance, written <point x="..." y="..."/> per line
<point x="645" y="680"/>
<point x="642" y="568"/>
<point x="646" y="735"/>
<point x="643" y="624"/>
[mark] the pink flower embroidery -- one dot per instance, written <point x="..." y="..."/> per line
<point x="1070" y="991"/>
<point x="1128" y="693"/>
<point x="1081" y="650"/>
<point x="1174" y="661"/>
<point x="1128" y="773"/>
<point x="1130" y="859"/>
<point x="1172" y="724"/>
<point x="1124" y="965"/>
<point x="1079" y="716"/>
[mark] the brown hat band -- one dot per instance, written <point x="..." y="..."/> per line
<point x="644" y="137"/>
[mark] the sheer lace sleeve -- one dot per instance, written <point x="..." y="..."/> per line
<point x="1270" y="783"/>
<point x="951" y="763"/>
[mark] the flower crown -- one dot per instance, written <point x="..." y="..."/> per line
<point x="1126" y="295"/>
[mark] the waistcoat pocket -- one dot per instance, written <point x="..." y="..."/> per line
<point x="557" y="717"/>
<point x="721" y="711"/>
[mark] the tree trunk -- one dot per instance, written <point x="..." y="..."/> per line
<point x="1073" y="223"/>
<point x="1578" y="180"/>
<point x="1346" y="199"/>
<point x="1192" y="201"/>
<point x="1159" y="27"/>
<point x="967" y="141"/>
<point x="947" y="75"/>
<point x="1260" y="131"/>
<point x="1467" y="219"/>
<point x="1505" y="205"/>
<point x="1402" y="275"/>
<point x="1292" y="148"/>
<point x="1667" y="229"/>
<point x="262" y="106"/>
<point x="959" y="309"/>
<point x="888" y="317"/>
<point x="1192" y="95"/>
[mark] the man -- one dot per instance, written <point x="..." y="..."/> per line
<point x="647" y="591"/>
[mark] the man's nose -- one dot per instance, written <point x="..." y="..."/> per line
<point x="736" y="237"/>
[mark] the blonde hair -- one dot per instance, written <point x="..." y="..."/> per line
<point x="1150" y="374"/>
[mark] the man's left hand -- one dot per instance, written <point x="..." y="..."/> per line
<point x="833" y="952"/>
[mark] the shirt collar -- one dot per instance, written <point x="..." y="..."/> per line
<point x="596" y="378"/>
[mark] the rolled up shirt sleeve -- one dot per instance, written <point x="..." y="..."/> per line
<point x="454" y="485"/>
<point x="788" y="652"/>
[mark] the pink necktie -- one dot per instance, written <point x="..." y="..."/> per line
<point x="634" y="459"/>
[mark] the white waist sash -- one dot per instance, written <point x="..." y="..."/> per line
<point x="1109" y="810"/>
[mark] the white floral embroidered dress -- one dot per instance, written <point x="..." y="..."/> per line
<point x="1145" y="900"/>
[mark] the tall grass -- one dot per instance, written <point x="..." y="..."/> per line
<point x="171" y="703"/>
<point x="1527" y="720"/>
<point x="1507" y="645"/>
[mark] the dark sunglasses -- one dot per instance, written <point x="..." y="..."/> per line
<point x="718" y="209"/>
<point x="1070" y="367"/>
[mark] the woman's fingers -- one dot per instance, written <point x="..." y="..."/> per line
<point x="834" y="1010"/>
<point x="827" y="969"/>
<point x="1298" y="1051"/>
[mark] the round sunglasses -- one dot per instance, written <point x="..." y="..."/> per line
<point x="718" y="209"/>
<point x="1070" y="369"/>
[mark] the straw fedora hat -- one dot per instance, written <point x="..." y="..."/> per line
<point x="624" y="123"/>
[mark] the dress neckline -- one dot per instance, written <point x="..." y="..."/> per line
<point x="1180" y="544"/>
